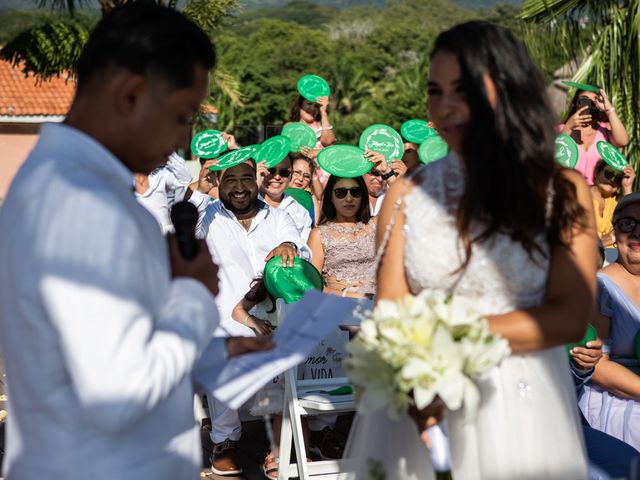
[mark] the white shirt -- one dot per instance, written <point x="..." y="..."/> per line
<point x="241" y="254"/>
<point x="167" y="185"/>
<point x="299" y="214"/>
<point x="98" y="340"/>
<point x="375" y="211"/>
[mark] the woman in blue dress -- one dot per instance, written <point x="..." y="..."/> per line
<point x="610" y="402"/>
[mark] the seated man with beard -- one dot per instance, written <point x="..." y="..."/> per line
<point x="242" y="233"/>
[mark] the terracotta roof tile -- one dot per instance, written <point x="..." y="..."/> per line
<point x="23" y="96"/>
<point x="208" y="109"/>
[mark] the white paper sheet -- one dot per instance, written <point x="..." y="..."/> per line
<point x="306" y="323"/>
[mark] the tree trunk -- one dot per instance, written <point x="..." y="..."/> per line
<point x="107" y="5"/>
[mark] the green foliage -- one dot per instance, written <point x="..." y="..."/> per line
<point x="48" y="49"/>
<point x="68" y="5"/>
<point x="268" y="62"/>
<point x="13" y="22"/>
<point x="301" y="12"/>
<point x="604" y="36"/>
<point x="209" y="13"/>
<point x="376" y="61"/>
<point x="253" y="4"/>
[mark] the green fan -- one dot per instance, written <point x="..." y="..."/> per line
<point x="312" y="86"/>
<point x="291" y="283"/>
<point x="344" y="161"/>
<point x="590" y="335"/>
<point x="208" y="144"/>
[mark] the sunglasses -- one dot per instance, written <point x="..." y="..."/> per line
<point x="613" y="176"/>
<point x="375" y="173"/>
<point x="627" y="224"/>
<point x="283" y="172"/>
<point x="356" y="192"/>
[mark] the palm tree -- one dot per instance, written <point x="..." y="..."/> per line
<point x="54" y="47"/>
<point x="604" y="35"/>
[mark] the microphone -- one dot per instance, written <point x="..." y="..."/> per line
<point x="184" y="216"/>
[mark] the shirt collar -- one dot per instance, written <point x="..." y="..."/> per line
<point x="286" y="200"/>
<point x="263" y="209"/>
<point x="80" y="148"/>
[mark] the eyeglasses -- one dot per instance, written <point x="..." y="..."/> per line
<point x="613" y="176"/>
<point x="301" y="174"/>
<point x="283" y="172"/>
<point x="356" y="192"/>
<point x="627" y="224"/>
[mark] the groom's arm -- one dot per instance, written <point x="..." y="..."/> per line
<point x="219" y="351"/>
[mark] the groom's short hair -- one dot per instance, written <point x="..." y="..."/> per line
<point x="146" y="39"/>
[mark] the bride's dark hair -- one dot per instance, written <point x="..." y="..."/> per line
<point x="508" y="152"/>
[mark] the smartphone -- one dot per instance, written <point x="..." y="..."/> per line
<point x="587" y="102"/>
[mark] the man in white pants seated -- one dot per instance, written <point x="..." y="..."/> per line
<point x="242" y="233"/>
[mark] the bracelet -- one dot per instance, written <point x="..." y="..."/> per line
<point x="388" y="175"/>
<point x="330" y="127"/>
<point x="610" y="110"/>
<point x="246" y="320"/>
<point x="293" y="245"/>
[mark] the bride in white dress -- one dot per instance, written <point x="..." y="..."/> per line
<point x="529" y="266"/>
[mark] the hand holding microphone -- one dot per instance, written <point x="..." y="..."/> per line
<point x="189" y="256"/>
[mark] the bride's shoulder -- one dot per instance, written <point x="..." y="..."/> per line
<point x="433" y="179"/>
<point x="426" y="184"/>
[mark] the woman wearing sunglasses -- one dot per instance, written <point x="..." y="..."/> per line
<point x="343" y="243"/>
<point x="610" y="401"/>
<point x="609" y="186"/>
<point x="272" y="182"/>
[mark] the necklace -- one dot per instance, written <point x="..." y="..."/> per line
<point x="246" y="223"/>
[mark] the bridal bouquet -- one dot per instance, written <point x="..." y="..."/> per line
<point x="411" y="350"/>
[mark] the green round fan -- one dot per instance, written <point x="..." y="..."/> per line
<point x="291" y="283"/>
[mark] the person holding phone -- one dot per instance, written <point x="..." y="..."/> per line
<point x="610" y="185"/>
<point x="591" y="119"/>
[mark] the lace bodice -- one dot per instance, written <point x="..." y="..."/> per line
<point x="500" y="276"/>
<point x="349" y="256"/>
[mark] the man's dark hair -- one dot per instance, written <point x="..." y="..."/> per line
<point x="145" y="38"/>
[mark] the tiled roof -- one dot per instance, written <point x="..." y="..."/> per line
<point x="25" y="96"/>
<point x="207" y="109"/>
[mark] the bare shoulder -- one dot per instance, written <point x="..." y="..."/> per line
<point x="576" y="178"/>
<point x="397" y="190"/>
<point x="614" y="273"/>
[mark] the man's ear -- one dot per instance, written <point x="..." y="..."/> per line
<point x="131" y="90"/>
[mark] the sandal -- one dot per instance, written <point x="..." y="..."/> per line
<point x="270" y="467"/>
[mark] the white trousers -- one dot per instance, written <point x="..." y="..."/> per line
<point x="225" y="422"/>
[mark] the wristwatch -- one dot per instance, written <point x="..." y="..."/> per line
<point x="388" y="175"/>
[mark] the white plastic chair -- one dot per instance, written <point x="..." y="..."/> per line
<point x="304" y="397"/>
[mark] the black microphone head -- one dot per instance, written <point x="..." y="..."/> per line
<point x="184" y="215"/>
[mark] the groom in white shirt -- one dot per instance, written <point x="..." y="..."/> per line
<point x="100" y="323"/>
<point x="242" y="233"/>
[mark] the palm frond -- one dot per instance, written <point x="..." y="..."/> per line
<point x="69" y="6"/>
<point x="549" y="10"/>
<point x="209" y="13"/>
<point x="48" y="49"/>
<point x="228" y="85"/>
<point x="605" y="36"/>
